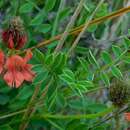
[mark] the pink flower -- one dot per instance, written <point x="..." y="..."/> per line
<point x="18" y="70"/>
<point x="127" y="116"/>
<point x="2" y="61"/>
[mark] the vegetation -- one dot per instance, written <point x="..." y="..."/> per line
<point x="64" y="65"/>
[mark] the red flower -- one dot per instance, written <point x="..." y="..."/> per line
<point x="18" y="70"/>
<point x="2" y="60"/>
<point x="127" y="116"/>
<point x="14" y="38"/>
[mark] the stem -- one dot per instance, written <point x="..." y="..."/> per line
<point x="69" y="26"/>
<point x="67" y="117"/>
<point x="76" y="30"/>
<point x="61" y="6"/>
<point x="87" y="23"/>
<point x="117" y="122"/>
<point x="29" y="108"/>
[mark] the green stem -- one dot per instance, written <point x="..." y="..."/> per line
<point x="57" y="17"/>
<point x="117" y="122"/>
<point x="66" y="117"/>
<point x="84" y="116"/>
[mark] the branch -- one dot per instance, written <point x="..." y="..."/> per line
<point x="69" y="26"/>
<point x="84" y="28"/>
<point x="76" y="30"/>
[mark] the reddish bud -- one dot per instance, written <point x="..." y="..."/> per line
<point x="14" y="36"/>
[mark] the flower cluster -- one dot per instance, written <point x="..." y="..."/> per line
<point x="15" y="68"/>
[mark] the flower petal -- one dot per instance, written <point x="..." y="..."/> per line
<point x="21" y="42"/>
<point x="10" y="42"/>
<point x="8" y="77"/>
<point x="14" y="61"/>
<point x="18" y="78"/>
<point x="1" y="60"/>
<point x="5" y="36"/>
<point x="127" y="116"/>
<point x="28" y="75"/>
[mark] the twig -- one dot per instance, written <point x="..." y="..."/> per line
<point x="69" y="26"/>
<point x="84" y="28"/>
<point x="76" y="30"/>
<point x="40" y="105"/>
<point x="105" y="120"/>
<point x="12" y="114"/>
<point x="29" y="108"/>
<point x="117" y="122"/>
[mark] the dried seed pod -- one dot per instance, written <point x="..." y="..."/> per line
<point x="119" y="93"/>
<point x="17" y="24"/>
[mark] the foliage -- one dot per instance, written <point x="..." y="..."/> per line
<point x="69" y="92"/>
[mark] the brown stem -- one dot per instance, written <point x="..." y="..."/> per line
<point x="117" y="122"/>
<point x="87" y="23"/>
<point x="69" y="26"/>
<point x="76" y="30"/>
<point x="29" y="108"/>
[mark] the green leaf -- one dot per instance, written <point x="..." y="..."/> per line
<point x="82" y="50"/>
<point x="40" y="56"/>
<point x="90" y="75"/>
<point x="76" y="125"/>
<point x="69" y="72"/>
<point x="96" y="107"/>
<point x="92" y="59"/>
<point x="59" y="62"/>
<point x="106" y="57"/>
<point x="116" y="50"/>
<point x="40" y="77"/>
<point x="105" y="78"/>
<point x="25" y="92"/>
<point x="84" y="84"/>
<point x="26" y="8"/>
<point x="19" y="104"/>
<point x="127" y="43"/>
<point x="49" y="5"/>
<point x="84" y="63"/>
<point x="38" y="19"/>
<point x="5" y="127"/>
<point x="103" y="10"/>
<point x="67" y="76"/>
<point x="129" y="31"/>
<point x="43" y="28"/>
<point x="49" y="59"/>
<point x="127" y="59"/>
<point x="67" y="79"/>
<point x="116" y="72"/>
<point x="64" y="13"/>
<point x="92" y="28"/>
<point x="4" y="99"/>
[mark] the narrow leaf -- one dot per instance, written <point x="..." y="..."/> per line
<point x="106" y="57"/>
<point x="116" y="72"/>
